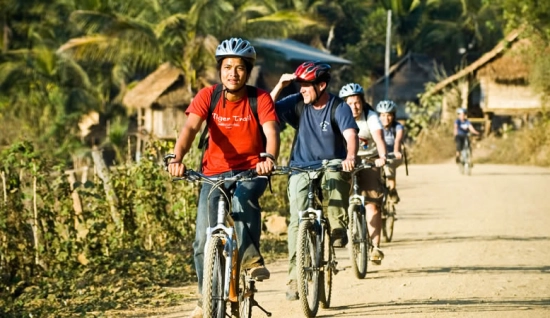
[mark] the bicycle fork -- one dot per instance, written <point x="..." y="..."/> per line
<point x="229" y="250"/>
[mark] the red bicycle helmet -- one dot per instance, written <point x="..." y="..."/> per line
<point x="313" y="72"/>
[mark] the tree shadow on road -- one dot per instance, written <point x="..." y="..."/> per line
<point x="459" y="239"/>
<point x="459" y="270"/>
<point x="420" y="306"/>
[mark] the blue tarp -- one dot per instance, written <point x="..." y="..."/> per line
<point x="295" y="51"/>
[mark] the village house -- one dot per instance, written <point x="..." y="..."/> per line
<point x="502" y="78"/>
<point x="407" y="79"/>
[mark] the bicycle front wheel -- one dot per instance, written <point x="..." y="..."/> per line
<point x="213" y="301"/>
<point x="328" y="264"/>
<point x="358" y="235"/>
<point x="308" y="258"/>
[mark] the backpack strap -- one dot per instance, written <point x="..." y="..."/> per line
<point x="335" y="104"/>
<point x="299" y="110"/>
<point x="216" y="94"/>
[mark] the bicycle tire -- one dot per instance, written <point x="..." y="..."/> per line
<point x="213" y="301"/>
<point x="245" y="298"/>
<point x="327" y="273"/>
<point x="307" y="264"/>
<point x="358" y="246"/>
<point x="388" y="221"/>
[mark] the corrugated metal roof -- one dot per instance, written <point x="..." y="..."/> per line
<point x="297" y="51"/>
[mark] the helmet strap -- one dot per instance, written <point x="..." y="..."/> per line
<point x="318" y="92"/>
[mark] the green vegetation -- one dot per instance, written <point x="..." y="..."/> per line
<point x="63" y="59"/>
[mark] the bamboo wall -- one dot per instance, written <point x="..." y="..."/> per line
<point x="503" y="99"/>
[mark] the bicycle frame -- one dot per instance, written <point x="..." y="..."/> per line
<point x="356" y="198"/>
<point x="313" y="211"/>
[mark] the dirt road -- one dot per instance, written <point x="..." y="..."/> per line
<point x="475" y="246"/>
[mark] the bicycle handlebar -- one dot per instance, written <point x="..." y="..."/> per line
<point x="192" y="175"/>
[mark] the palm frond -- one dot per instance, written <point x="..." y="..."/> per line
<point x="175" y="21"/>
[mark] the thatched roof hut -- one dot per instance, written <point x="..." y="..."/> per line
<point x="503" y="75"/>
<point x="162" y="88"/>
<point x="408" y="78"/>
<point x="160" y="100"/>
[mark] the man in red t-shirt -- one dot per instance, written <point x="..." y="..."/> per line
<point x="234" y="145"/>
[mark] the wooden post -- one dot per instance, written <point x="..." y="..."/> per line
<point x="80" y="230"/>
<point x="84" y="177"/>
<point x="488" y="124"/>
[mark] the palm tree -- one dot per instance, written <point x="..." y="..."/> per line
<point x="407" y="21"/>
<point x="188" y="40"/>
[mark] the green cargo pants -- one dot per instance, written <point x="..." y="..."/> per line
<point x="336" y="186"/>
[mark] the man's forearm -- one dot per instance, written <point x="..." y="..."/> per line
<point x="273" y="139"/>
<point x="352" y="142"/>
<point x="276" y="91"/>
<point x="183" y="143"/>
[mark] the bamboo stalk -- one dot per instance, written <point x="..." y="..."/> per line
<point x="35" y="222"/>
<point x="5" y="190"/>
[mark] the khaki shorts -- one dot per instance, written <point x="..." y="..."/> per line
<point x="370" y="185"/>
<point x="390" y="167"/>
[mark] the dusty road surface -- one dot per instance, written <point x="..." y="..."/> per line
<point x="476" y="246"/>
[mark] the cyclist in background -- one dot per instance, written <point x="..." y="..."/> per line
<point x="228" y="153"/>
<point x="371" y="146"/>
<point x="319" y="136"/>
<point x="462" y="128"/>
<point x="394" y="133"/>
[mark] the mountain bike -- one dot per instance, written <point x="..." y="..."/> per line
<point x="465" y="165"/>
<point x="225" y="283"/>
<point x="315" y="256"/>
<point x="358" y="233"/>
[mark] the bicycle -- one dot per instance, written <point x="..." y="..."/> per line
<point x="465" y="165"/>
<point x="224" y="281"/>
<point x="315" y="256"/>
<point x="358" y="233"/>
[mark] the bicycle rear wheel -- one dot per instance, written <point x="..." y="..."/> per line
<point x="357" y="233"/>
<point x="307" y="264"/>
<point x="325" y="280"/>
<point x="213" y="301"/>
<point x="466" y="158"/>
<point x="388" y="219"/>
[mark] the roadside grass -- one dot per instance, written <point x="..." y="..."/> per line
<point x="527" y="146"/>
<point x="433" y="145"/>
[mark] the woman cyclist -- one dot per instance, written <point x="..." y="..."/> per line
<point x="462" y="128"/>
<point x="371" y="146"/>
<point x="394" y="133"/>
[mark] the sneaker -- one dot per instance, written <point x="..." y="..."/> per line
<point x="292" y="290"/>
<point x="197" y="313"/>
<point x="376" y="255"/>
<point x="259" y="273"/>
<point x="339" y="237"/>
